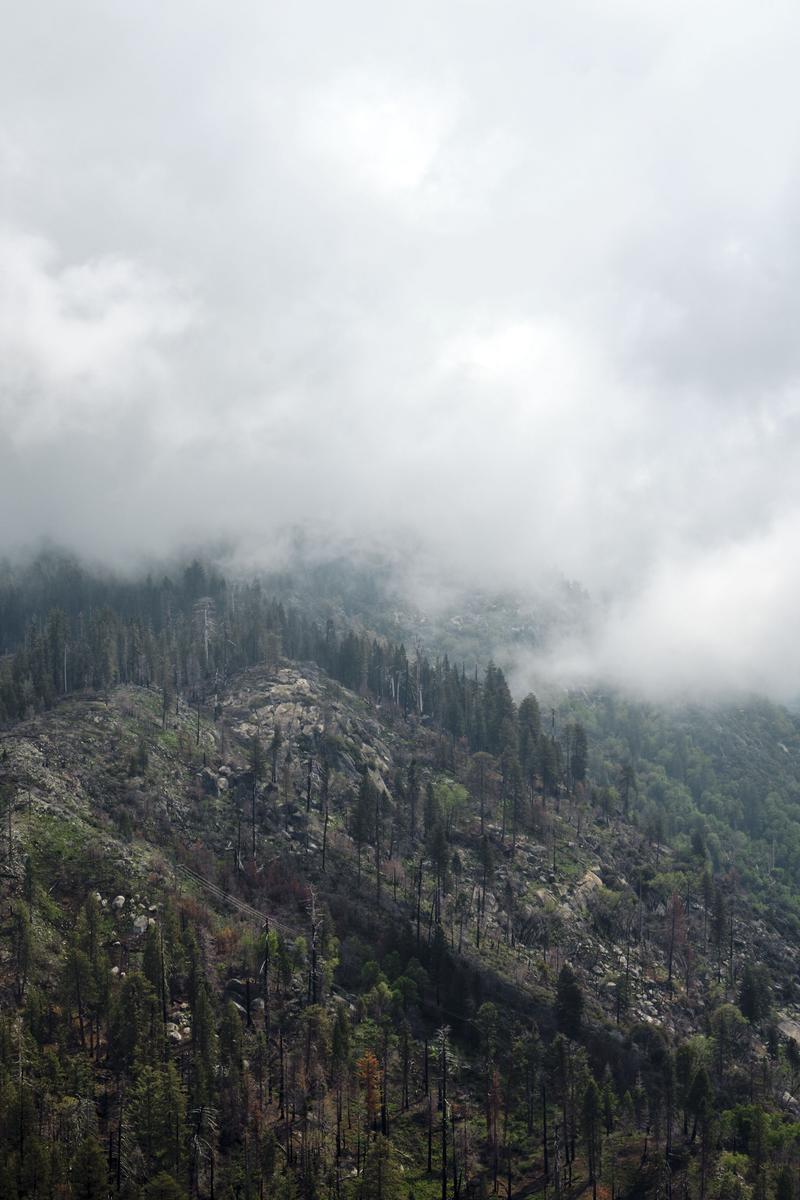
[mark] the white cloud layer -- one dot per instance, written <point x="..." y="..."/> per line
<point x="519" y="281"/>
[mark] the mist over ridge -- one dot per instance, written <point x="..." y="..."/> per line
<point x="550" y="636"/>
<point x="391" y="286"/>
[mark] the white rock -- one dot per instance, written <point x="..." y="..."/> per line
<point x="118" y="902"/>
<point x="140" y="924"/>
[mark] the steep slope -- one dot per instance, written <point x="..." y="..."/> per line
<point x="150" y="844"/>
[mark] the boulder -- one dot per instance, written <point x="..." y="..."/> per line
<point x="789" y="1028"/>
<point x="589" y="883"/>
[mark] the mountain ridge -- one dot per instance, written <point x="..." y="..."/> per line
<point x="243" y="873"/>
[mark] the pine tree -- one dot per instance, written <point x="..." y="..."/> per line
<point x="754" y="993"/>
<point x="569" y="1002"/>
<point x="21" y="943"/>
<point x="382" y="1178"/>
<point x="363" y="819"/>
<point x="275" y="749"/>
<point x="784" y="1185"/>
<point x="579" y="753"/>
<point x="163" y="1187"/>
<point x="591" y="1130"/>
<point x="628" y="788"/>
<point x="89" y="1173"/>
<point x="530" y="727"/>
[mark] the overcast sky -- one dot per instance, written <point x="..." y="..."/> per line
<point x="520" y="279"/>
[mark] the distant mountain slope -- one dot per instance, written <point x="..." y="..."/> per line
<point x="383" y="928"/>
<point x="194" y="828"/>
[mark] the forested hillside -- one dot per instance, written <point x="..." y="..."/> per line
<point x="291" y="909"/>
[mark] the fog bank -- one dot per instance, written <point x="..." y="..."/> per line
<point x="511" y="288"/>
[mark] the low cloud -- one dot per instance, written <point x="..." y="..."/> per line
<point x="713" y="625"/>
<point x="511" y="287"/>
